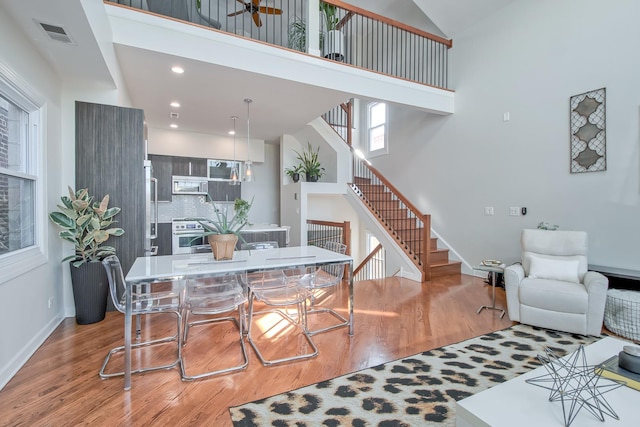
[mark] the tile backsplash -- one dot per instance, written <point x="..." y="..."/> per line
<point x="185" y="206"/>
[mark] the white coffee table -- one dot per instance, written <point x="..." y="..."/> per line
<point x="517" y="403"/>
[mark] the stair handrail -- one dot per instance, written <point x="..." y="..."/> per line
<point x="345" y="226"/>
<point x="368" y="258"/>
<point x="424" y="247"/>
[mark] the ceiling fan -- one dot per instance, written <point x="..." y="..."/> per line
<point x="254" y="8"/>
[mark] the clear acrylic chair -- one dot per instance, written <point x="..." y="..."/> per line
<point x="144" y="301"/>
<point x="320" y="283"/>
<point x="275" y="290"/>
<point x="212" y="296"/>
<point x="258" y="245"/>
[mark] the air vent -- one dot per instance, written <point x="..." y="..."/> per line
<point x="56" y="33"/>
<point x="174" y="115"/>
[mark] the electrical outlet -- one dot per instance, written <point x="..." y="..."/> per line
<point x="50" y="302"/>
<point x="514" y="211"/>
<point x="488" y="210"/>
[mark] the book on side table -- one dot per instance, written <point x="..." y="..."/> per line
<point x="612" y="370"/>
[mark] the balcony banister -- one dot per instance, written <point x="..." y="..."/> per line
<point x="354" y="9"/>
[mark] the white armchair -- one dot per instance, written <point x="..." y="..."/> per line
<point x="552" y="287"/>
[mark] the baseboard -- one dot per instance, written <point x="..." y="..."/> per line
<point x="14" y="365"/>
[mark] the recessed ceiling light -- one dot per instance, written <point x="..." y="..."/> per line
<point x="173" y="125"/>
<point x="175" y="104"/>
<point x="177" y="70"/>
<point x="232" y="132"/>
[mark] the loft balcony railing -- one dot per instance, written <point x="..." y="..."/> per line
<point x="335" y="30"/>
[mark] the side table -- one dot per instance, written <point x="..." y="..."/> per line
<point x="492" y="269"/>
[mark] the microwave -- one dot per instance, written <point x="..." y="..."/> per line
<point x="189" y="185"/>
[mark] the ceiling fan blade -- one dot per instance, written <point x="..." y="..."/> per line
<point x="240" y="12"/>
<point x="270" y="10"/>
<point x="255" y="2"/>
<point x="256" y="19"/>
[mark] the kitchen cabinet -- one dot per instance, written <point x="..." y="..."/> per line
<point x="162" y="171"/>
<point x="223" y="191"/>
<point x="189" y="166"/>
<point x="163" y="242"/>
<point x="110" y="160"/>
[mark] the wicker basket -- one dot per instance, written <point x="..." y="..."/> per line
<point x="622" y="313"/>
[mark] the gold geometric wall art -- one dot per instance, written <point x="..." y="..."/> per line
<point x="588" y="132"/>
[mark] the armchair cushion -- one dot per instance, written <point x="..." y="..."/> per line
<point x="554" y="268"/>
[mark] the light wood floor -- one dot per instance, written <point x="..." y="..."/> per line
<point x="394" y="318"/>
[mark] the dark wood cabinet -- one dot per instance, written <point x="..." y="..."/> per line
<point x="189" y="166"/>
<point x="163" y="241"/>
<point x="162" y="171"/>
<point x="223" y="191"/>
<point x="110" y="160"/>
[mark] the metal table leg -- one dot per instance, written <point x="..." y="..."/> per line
<point x="493" y="291"/>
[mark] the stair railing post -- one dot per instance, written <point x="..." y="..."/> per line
<point x="426" y="248"/>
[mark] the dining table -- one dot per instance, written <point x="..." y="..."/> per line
<point x="149" y="269"/>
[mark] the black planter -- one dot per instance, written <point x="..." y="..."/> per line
<point x="295" y="177"/>
<point x="312" y="178"/>
<point x="90" y="292"/>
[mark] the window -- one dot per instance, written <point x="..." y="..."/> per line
<point x="376" y="267"/>
<point x="377" y="129"/>
<point x="19" y="172"/>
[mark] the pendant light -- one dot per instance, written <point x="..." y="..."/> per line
<point x="235" y="179"/>
<point x="248" y="165"/>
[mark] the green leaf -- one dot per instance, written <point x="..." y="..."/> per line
<point x="62" y="220"/>
<point x="110" y="213"/>
<point x="115" y="231"/>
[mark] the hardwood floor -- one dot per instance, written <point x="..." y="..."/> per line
<point x="394" y="318"/>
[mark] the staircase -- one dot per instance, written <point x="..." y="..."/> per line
<point x="406" y="227"/>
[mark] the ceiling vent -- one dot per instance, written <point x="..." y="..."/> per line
<point x="56" y="33"/>
<point x="174" y="115"/>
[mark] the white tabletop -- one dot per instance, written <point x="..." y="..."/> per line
<point x="517" y="403"/>
<point x="167" y="266"/>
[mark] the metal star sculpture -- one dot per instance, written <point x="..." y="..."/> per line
<point x="574" y="383"/>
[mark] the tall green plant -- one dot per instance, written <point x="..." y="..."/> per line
<point x="330" y="15"/>
<point x="223" y="224"/>
<point x="310" y="163"/>
<point x="86" y="225"/>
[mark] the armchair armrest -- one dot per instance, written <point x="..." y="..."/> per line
<point x="596" y="285"/>
<point x="513" y="276"/>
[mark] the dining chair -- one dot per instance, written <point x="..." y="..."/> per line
<point x="277" y="292"/>
<point x="212" y="296"/>
<point x="144" y="302"/>
<point x="258" y="245"/>
<point x="321" y="283"/>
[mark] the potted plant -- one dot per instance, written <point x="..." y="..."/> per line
<point x="310" y="164"/>
<point x="333" y="43"/>
<point x="87" y="224"/>
<point x="294" y="172"/>
<point x="298" y="35"/>
<point x="223" y="232"/>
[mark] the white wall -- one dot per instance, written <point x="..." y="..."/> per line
<point x="265" y="188"/>
<point x="20" y="334"/>
<point x="528" y="60"/>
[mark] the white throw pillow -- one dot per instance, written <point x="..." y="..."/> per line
<point x="554" y="269"/>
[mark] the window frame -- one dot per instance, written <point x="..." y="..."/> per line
<point x="385" y="149"/>
<point x="19" y="92"/>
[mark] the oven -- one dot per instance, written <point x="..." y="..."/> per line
<point x="186" y="237"/>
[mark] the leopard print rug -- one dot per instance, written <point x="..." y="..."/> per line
<point x="415" y="391"/>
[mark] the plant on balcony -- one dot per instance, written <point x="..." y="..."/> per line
<point x="333" y="41"/>
<point x="298" y="35"/>
<point x="311" y="165"/>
